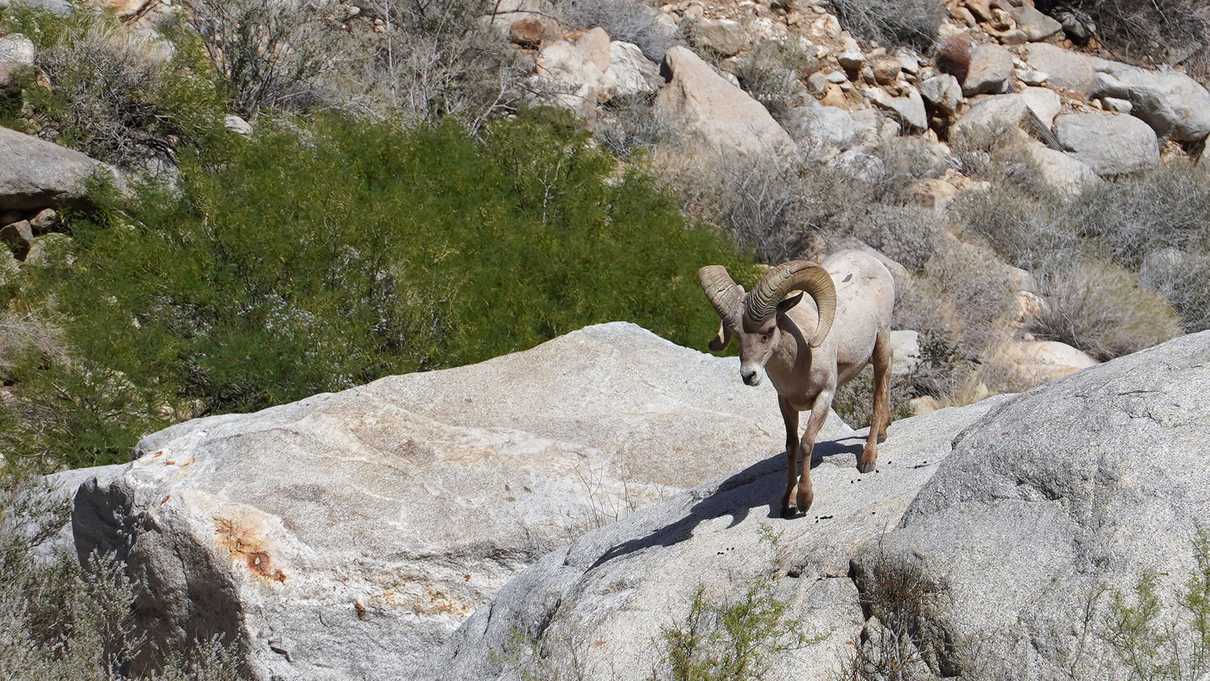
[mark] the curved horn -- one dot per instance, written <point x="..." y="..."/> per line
<point x="721" y="290"/>
<point x="777" y="283"/>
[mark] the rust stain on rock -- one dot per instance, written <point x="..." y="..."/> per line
<point x="247" y="546"/>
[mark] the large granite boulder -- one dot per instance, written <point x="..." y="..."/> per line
<point x="1054" y="502"/>
<point x="347" y="535"/>
<point x="599" y="605"/>
<point x="714" y="114"/>
<point x="36" y="174"/>
<point x="1172" y="103"/>
<point x="1110" y="144"/>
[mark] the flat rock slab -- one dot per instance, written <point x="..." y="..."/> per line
<point x="600" y="603"/>
<point x="347" y="535"/>
<point x="1110" y="144"/>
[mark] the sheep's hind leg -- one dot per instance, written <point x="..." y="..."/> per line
<point x="882" y="398"/>
<point x="790" y="415"/>
<point x="819" y="414"/>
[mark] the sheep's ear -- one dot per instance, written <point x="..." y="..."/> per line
<point x="788" y="303"/>
<point x="721" y="339"/>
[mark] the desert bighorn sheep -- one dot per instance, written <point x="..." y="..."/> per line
<point x="809" y="345"/>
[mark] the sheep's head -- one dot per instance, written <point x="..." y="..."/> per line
<point x="757" y="318"/>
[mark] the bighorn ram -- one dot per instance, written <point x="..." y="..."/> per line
<point x="809" y="345"/>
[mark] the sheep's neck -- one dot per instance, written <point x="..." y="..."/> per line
<point x="791" y="357"/>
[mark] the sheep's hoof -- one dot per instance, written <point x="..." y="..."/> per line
<point x="865" y="465"/>
<point x="789" y="512"/>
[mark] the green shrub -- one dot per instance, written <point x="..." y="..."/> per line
<point x="281" y="269"/>
<point x="1100" y="308"/>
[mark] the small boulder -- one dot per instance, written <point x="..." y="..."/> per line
<point x="1066" y="69"/>
<point x="822" y="131"/>
<point x="908" y="109"/>
<point x="943" y="93"/>
<point x="530" y="32"/>
<point x="1033" y="111"/>
<point x="46" y="220"/>
<point x="630" y="73"/>
<point x="905" y="351"/>
<point x="1067" y="175"/>
<point x="1170" y="102"/>
<point x="1034" y="24"/>
<point x="237" y="125"/>
<point x="991" y="67"/>
<point x="16" y="52"/>
<point x="886" y="70"/>
<point x="1110" y="144"/>
<point x="715" y="112"/>
<point x="36" y="174"/>
<point x="723" y="37"/>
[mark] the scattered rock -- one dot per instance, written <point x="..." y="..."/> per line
<point x="1032" y="77"/>
<point x="16" y="52"/>
<point x="724" y="37"/>
<point x="35" y="174"/>
<point x="1110" y="144"/>
<point x="1066" y="69"/>
<point x="1172" y="103"/>
<point x="1068" y="175"/>
<point x="1044" y="361"/>
<point x="630" y="74"/>
<point x="572" y="74"/>
<point x="718" y="114"/>
<point x="1034" y="24"/>
<point x="1033" y="111"/>
<point x="908" y="110"/>
<point x="886" y="70"/>
<point x="943" y="93"/>
<point x="531" y="31"/>
<point x="237" y="125"/>
<point x="45" y="220"/>
<point x="991" y="67"/>
<point x="823" y="131"/>
<point x="42" y="247"/>
<point x="860" y="165"/>
<point x="851" y="60"/>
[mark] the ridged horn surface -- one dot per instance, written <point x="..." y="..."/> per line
<point x="778" y="282"/>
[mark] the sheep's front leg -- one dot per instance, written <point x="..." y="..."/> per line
<point x="819" y="414"/>
<point x="790" y="415"/>
<point x="882" y="403"/>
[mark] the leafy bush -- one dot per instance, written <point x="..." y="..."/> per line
<point x="1101" y="309"/>
<point x="303" y="268"/>
<point x="892" y="22"/>
<point x="630" y="21"/>
<point x="113" y="94"/>
<point x="63" y="620"/>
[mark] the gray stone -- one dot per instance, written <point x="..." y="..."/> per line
<point x="603" y="599"/>
<point x="1117" y="105"/>
<point x="60" y="7"/>
<point x="1172" y="103"/>
<point x="630" y="74"/>
<point x="860" y="165"/>
<point x="237" y="125"/>
<point x="990" y="70"/>
<point x="16" y="52"/>
<point x="19" y="237"/>
<point x="996" y="114"/>
<point x="346" y="535"/>
<point x="1034" y="24"/>
<point x="823" y="131"/>
<point x="724" y="37"/>
<point x="908" y="110"/>
<point x="35" y="174"/>
<point x="1067" y="175"/>
<point x="943" y="92"/>
<point x="906" y="349"/>
<point x="714" y="113"/>
<point x="1066" y="69"/>
<point x="1110" y="144"/>
<point x="1069" y="490"/>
